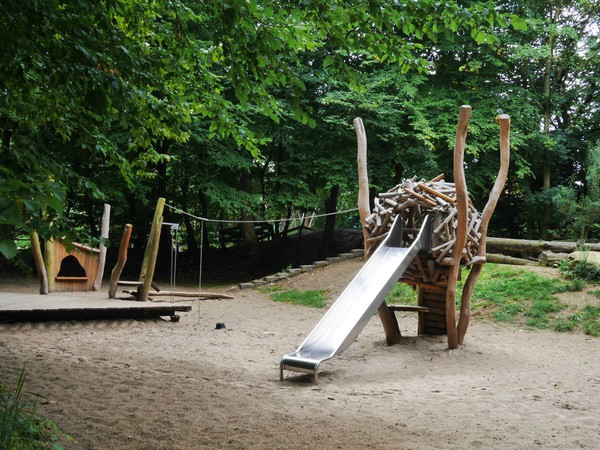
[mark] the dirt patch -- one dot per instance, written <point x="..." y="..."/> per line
<point x="160" y="385"/>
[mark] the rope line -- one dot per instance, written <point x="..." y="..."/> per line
<point x="205" y="219"/>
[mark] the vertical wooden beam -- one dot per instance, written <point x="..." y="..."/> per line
<point x="49" y="262"/>
<point x="149" y="262"/>
<point x="465" y="303"/>
<point x="390" y="324"/>
<point x="116" y="272"/>
<point x="39" y="261"/>
<point x="387" y="317"/>
<point x="102" y="257"/>
<point x="462" y="217"/>
<point x="363" y="179"/>
<point x="421" y="315"/>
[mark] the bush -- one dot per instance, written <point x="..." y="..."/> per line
<point x="21" y="428"/>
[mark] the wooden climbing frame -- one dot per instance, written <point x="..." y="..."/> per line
<point x="465" y="239"/>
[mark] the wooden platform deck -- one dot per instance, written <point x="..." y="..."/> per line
<point x="81" y="306"/>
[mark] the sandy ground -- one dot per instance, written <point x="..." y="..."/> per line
<point x="162" y="385"/>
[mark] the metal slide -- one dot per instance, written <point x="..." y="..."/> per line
<point x="347" y="317"/>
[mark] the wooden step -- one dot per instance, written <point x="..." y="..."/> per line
<point x="130" y="283"/>
<point x="408" y="308"/>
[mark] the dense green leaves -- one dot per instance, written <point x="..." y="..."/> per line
<point x="125" y="101"/>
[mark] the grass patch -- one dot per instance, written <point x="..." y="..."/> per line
<point x="314" y="299"/>
<point x="21" y="428"/>
<point x="587" y="319"/>
<point x="518" y="296"/>
<point x="402" y="294"/>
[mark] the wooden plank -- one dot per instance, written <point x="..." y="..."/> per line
<point x="71" y="278"/>
<point x="434" y="301"/>
<point x="414" y="308"/>
<point x="434" y="330"/>
<point x="435" y="320"/>
<point x="71" y="305"/>
<point x="436" y="311"/>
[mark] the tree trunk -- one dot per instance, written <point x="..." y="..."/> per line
<point x="364" y="207"/>
<point x="192" y="244"/>
<point x="533" y="247"/>
<point x="329" y="229"/>
<point x="497" y="258"/>
<point x="102" y="257"/>
<point x="249" y="240"/>
<point x="546" y="166"/>
<point x="39" y="262"/>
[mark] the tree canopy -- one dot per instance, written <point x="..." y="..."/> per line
<point x="229" y="106"/>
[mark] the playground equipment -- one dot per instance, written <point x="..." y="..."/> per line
<point x="421" y="233"/>
<point x="145" y="281"/>
<point x="76" y="267"/>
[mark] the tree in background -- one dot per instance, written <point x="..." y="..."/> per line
<point x="154" y="91"/>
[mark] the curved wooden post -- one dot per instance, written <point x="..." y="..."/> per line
<point x="469" y="286"/>
<point x="116" y="272"/>
<point x="462" y="218"/>
<point x="36" y="249"/>
<point x="363" y="179"/>
<point x="387" y="317"/>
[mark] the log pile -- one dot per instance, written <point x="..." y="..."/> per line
<point x="411" y="201"/>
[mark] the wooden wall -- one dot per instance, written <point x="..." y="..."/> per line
<point x="86" y="257"/>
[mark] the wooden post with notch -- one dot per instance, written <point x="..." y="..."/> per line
<point x="149" y="261"/>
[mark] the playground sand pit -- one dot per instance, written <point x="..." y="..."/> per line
<point x="154" y="384"/>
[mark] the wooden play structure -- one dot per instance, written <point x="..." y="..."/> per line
<point x="73" y="267"/>
<point x="73" y="270"/>
<point x="458" y="239"/>
<point x="144" y="282"/>
<point x="144" y="288"/>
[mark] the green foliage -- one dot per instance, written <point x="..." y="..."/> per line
<point x="521" y="296"/>
<point x="509" y="294"/>
<point x="21" y="427"/>
<point x="588" y="319"/>
<point x="580" y="269"/>
<point x="313" y="299"/>
<point x="124" y="103"/>
<point x="402" y="293"/>
<point x="92" y="91"/>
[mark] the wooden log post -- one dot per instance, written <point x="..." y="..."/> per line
<point x="390" y="324"/>
<point x="462" y="218"/>
<point x="49" y="262"/>
<point x="102" y="256"/>
<point x="149" y="262"/>
<point x="469" y="286"/>
<point x="36" y="249"/>
<point x="116" y="272"/>
<point x="387" y="317"/>
<point x="363" y="180"/>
